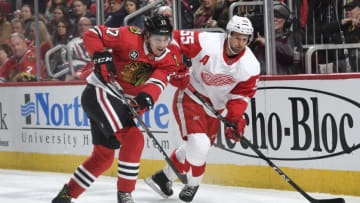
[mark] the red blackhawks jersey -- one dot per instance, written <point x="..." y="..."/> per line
<point x="15" y="67"/>
<point x="224" y="81"/>
<point x="136" y="67"/>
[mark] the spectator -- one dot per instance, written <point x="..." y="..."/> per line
<point x="53" y="4"/>
<point x="188" y="8"/>
<point x="79" y="9"/>
<point x="5" y="7"/>
<point x="44" y="38"/>
<point x="26" y="16"/>
<point x="59" y="13"/>
<point x="5" y="53"/>
<point x="130" y="7"/>
<point x="221" y="15"/>
<point x="351" y="27"/>
<point x="346" y="30"/>
<point x="203" y="13"/>
<point x="80" y="57"/>
<point x="117" y="14"/>
<point x="18" y="26"/>
<point x="92" y="8"/>
<point x="62" y="35"/>
<point x="22" y="65"/>
<point x="287" y="56"/>
<point x="5" y="27"/>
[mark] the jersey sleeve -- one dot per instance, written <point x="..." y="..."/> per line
<point x="99" y="37"/>
<point x="241" y="95"/>
<point x="188" y="42"/>
<point x="158" y="80"/>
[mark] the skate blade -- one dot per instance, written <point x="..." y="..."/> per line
<point x="149" y="181"/>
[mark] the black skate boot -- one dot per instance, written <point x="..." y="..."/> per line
<point x="188" y="192"/>
<point x="124" y="197"/>
<point x="160" y="184"/>
<point x="63" y="196"/>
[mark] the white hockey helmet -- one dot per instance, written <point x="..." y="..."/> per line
<point x="240" y="25"/>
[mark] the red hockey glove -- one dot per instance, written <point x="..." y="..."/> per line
<point x="238" y="127"/>
<point x="181" y="79"/>
<point x="104" y="66"/>
<point x="143" y="101"/>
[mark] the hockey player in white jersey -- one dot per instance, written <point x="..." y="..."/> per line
<point x="225" y="72"/>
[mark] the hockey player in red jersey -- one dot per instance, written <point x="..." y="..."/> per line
<point x="225" y="72"/>
<point x="140" y="63"/>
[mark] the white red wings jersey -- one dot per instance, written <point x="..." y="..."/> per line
<point x="137" y="68"/>
<point x="213" y="74"/>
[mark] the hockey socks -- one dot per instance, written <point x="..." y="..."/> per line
<point x="132" y="144"/>
<point x="85" y="175"/>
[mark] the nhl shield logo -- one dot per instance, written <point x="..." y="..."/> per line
<point x="134" y="54"/>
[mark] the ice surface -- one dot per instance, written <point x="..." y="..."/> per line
<point x="40" y="187"/>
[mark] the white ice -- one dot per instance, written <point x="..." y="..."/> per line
<point x="40" y="187"/>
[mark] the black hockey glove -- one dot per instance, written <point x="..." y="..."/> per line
<point x="143" y="101"/>
<point x="104" y="66"/>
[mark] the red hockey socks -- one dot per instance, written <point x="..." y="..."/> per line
<point x="197" y="173"/>
<point x="99" y="161"/>
<point x="132" y="144"/>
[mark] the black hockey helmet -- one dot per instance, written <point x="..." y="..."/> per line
<point x="158" y="24"/>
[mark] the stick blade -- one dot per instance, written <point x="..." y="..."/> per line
<point x="336" y="200"/>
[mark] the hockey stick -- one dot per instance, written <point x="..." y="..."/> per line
<point x="117" y="90"/>
<point x="245" y="141"/>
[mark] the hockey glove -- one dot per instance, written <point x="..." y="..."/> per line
<point x="104" y="66"/>
<point x="236" y="131"/>
<point x="181" y="79"/>
<point x="143" y="101"/>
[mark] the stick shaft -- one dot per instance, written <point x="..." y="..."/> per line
<point x="245" y="141"/>
<point x="120" y="93"/>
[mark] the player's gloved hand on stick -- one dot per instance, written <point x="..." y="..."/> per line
<point x="104" y="65"/>
<point x="143" y="101"/>
<point x="238" y="126"/>
<point x="181" y="79"/>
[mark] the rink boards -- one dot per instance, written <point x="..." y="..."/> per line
<point x="308" y="126"/>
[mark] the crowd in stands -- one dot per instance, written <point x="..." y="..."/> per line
<point x="62" y="22"/>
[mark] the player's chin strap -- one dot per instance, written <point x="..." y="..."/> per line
<point x="117" y="90"/>
<point x="229" y="45"/>
<point x="245" y="141"/>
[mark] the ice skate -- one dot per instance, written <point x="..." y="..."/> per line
<point x="188" y="192"/>
<point x="124" y="197"/>
<point x="160" y="184"/>
<point x="63" y="196"/>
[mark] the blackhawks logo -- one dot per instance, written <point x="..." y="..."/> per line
<point x="31" y="58"/>
<point x="135" y="30"/>
<point x="136" y="73"/>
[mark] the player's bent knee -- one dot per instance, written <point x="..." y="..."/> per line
<point x="197" y="148"/>
<point x="100" y="159"/>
